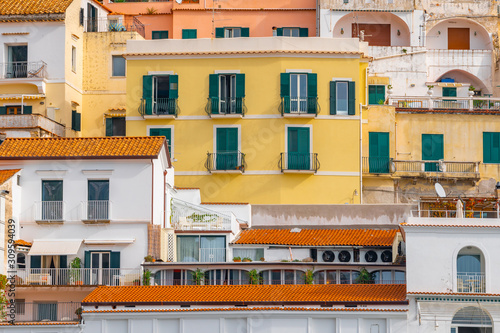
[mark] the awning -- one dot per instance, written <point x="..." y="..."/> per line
<point x="51" y="247"/>
<point x="10" y="96"/>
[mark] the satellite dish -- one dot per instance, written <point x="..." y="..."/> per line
<point x="440" y="190"/>
<point x="178" y="1"/>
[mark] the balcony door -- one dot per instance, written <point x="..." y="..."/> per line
<point x="458" y="38"/>
<point x="227" y="148"/>
<point x="91" y="18"/>
<point x="432" y="150"/>
<point x="100" y="262"/>
<point x="52" y="200"/>
<point x="161" y="86"/>
<point x="18" y="61"/>
<point x="298" y="93"/>
<point x="227" y="91"/>
<point x="98" y="200"/>
<point x="378" y="152"/>
<point x="374" y="34"/>
<point x="299" y="155"/>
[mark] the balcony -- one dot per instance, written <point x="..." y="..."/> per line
<point x="49" y="211"/>
<point x="77" y="276"/>
<point x="190" y="217"/>
<point x="105" y="25"/>
<point x="226" y="108"/>
<point x="96" y="211"/>
<point x="374" y="5"/>
<point x="159" y="107"/>
<point x="232" y="162"/>
<point x="32" y="121"/>
<point x="44" y="312"/>
<point x="23" y="69"/>
<point x="299" y="163"/>
<point x="212" y="255"/>
<point x="454" y="105"/>
<point x="471" y="283"/>
<point x="299" y="107"/>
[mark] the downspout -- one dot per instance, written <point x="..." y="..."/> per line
<point x="152" y="190"/>
<point x="360" y="153"/>
<point x="318" y="28"/>
<point x="165" y="198"/>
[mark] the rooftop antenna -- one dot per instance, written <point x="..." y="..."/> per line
<point x="440" y="190"/>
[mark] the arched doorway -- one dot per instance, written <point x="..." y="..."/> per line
<point x="458" y="34"/>
<point x="471" y="319"/>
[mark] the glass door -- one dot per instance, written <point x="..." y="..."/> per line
<point x="100" y="264"/>
<point x="98" y="200"/>
<point x="52" y="196"/>
<point x="18" y="61"/>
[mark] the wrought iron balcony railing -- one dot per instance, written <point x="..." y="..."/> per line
<point x="23" y="69"/>
<point x="298" y="106"/>
<point x="226" y="161"/>
<point x="228" y="106"/>
<point x="299" y="162"/>
<point x="159" y="107"/>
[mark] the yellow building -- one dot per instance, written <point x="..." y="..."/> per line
<point x="260" y="120"/>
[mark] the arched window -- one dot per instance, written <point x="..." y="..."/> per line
<point x="471" y="319"/>
<point x="470" y="271"/>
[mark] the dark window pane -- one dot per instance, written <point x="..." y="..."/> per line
<point x="119" y="65"/>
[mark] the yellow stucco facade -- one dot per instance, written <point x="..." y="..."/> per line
<point x="262" y="130"/>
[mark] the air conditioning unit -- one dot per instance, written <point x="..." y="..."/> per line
<point x="344" y="256"/>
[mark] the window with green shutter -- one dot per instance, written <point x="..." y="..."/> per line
<point x="115" y="126"/>
<point x="449" y="92"/>
<point x="376" y="94"/>
<point x="491" y="147"/>
<point x="298" y="148"/>
<point x="292" y="32"/>
<point x="76" y="120"/>
<point x="162" y="34"/>
<point x="167" y="133"/>
<point x="232" y="32"/>
<point x="189" y="33"/>
<point x="343" y="98"/>
<point x="432" y="150"/>
<point x="227" y="148"/>
<point x="378" y="144"/>
<point x="226" y="93"/>
<point x="159" y="94"/>
<point x="299" y="93"/>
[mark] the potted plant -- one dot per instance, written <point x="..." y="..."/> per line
<point x="309" y="277"/>
<point x="429" y="91"/>
<point x="75" y="273"/>
<point x="254" y="277"/>
<point x="146" y="277"/>
<point x="237" y="259"/>
<point x="78" y="312"/>
<point x="262" y="259"/>
<point x="389" y="89"/>
<point x="471" y="90"/>
<point x="149" y="258"/>
<point x="246" y="259"/>
<point x="364" y="277"/>
<point x="198" y="276"/>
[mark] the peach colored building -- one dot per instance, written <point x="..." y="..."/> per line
<point x="217" y="18"/>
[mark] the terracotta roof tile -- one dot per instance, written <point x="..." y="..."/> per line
<point x="255" y="308"/>
<point x="81" y="148"/>
<point x="248" y="294"/>
<point x="22" y="242"/>
<point x="29" y="7"/>
<point x="318" y="237"/>
<point x="7" y="174"/>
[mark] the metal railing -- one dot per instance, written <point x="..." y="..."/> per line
<point x="96" y="210"/>
<point x="376" y="165"/>
<point x="452" y="213"/>
<point x="246" y="280"/>
<point x="299" y="106"/>
<point x="25" y="121"/>
<point x="105" y="25"/>
<point x="159" y="107"/>
<point x="44" y="311"/>
<point x="77" y="276"/>
<point x="212" y="255"/>
<point x="226" y="161"/>
<point x="216" y="106"/>
<point x="187" y="216"/>
<point x="436" y="166"/>
<point x="471" y="283"/>
<point x="446" y="103"/>
<point x="49" y="210"/>
<point x="23" y="69"/>
<point x="299" y="162"/>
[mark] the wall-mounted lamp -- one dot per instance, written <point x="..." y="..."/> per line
<point x="341" y="31"/>
<point x="399" y="33"/>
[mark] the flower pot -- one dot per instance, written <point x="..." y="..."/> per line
<point x="471" y="93"/>
<point x="247" y="260"/>
<point x="237" y="260"/>
<point x="429" y="92"/>
<point x="79" y="283"/>
<point x="389" y="91"/>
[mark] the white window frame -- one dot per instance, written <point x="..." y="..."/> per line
<point x="298" y="99"/>
<point x="112" y="67"/>
<point x="171" y="135"/>
<point x="232" y="93"/>
<point x="346" y="111"/>
<point x="73" y="58"/>
<point x="291" y="30"/>
<point x="229" y="32"/>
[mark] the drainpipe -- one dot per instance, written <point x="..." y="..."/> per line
<point x="360" y="153"/>
<point x="318" y="28"/>
<point x="22" y="104"/>
<point x="165" y="198"/>
<point x="152" y="190"/>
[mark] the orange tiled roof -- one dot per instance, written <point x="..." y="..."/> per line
<point x="7" y="174"/>
<point x="30" y="7"/>
<point x="256" y="308"/>
<point x="22" y="242"/>
<point x="249" y="294"/>
<point x="318" y="237"/>
<point x="81" y="148"/>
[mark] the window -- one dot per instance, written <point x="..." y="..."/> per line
<point x="52" y="200"/>
<point x="226" y="93"/>
<point x="21" y="260"/>
<point x="16" y="109"/>
<point x="299" y="155"/>
<point x="73" y="59"/>
<point x="159" y="94"/>
<point x="115" y="126"/>
<point x="471" y="319"/>
<point x="76" y="121"/>
<point x="159" y="34"/>
<point x="232" y="32"/>
<point x="449" y="92"/>
<point x="376" y="94"/>
<point x="254" y="254"/>
<point x="201" y="248"/>
<point x="491" y="147"/>
<point x="119" y="65"/>
<point x="91" y="18"/>
<point x="174" y="277"/>
<point x="342" y="98"/>
<point x="98" y="200"/>
<point x="292" y="32"/>
<point x="470" y="270"/>
<point x="378" y="145"/>
<point x="335" y="277"/>
<point x="278" y="276"/>
<point x="105" y="266"/>
<point x="189" y="33"/>
<point x="17" y="65"/>
<point x="432" y="150"/>
<point x="299" y="93"/>
<point x="227" y="152"/>
<point x="167" y="133"/>
<point x="20" y="306"/>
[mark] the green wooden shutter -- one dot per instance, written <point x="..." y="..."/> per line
<point x="189" y="33"/>
<point x="3" y="110"/>
<point x="449" y="92"/>
<point x="495" y="147"/>
<point x="36" y="261"/>
<point x="86" y="259"/>
<point x="27" y="109"/>
<point x="78" y="122"/>
<point x="240" y="92"/>
<point x="279" y="32"/>
<point x="213" y="92"/>
<point x="487" y="147"/>
<point x="432" y="150"/>
<point x="219" y="32"/>
<point x="245" y="32"/>
<point x="333" y="97"/>
<point x="115" y="260"/>
<point x="285" y="92"/>
<point x="185" y="34"/>
<point x="159" y="34"/>
<point x="381" y="93"/>
<point x="174" y="86"/>
<point x="378" y="146"/>
<point x="298" y="148"/>
<point x="109" y="126"/>
<point x="166" y="132"/>
<point x="147" y="93"/>
<point x="303" y="32"/>
<point x="73" y="113"/>
<point x="227" y="148"/>
<point x="372" y="95"/>
<point x="63" y="261"/>
<point x="352" y="98"/>
<point x="312" y="92"/>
